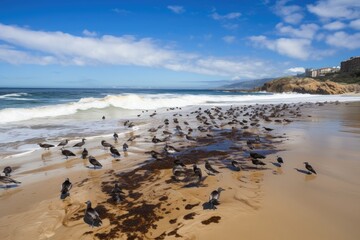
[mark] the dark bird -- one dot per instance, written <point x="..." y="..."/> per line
<point x="125" y="147"/>
<point x="280" y="160"/>
<point x="46" y="145"/>
<point x="63" y="143"/>
<point x="210" y="169"/>
<point x="257" y="162"/>
<point x="116" y="193"/>
<point x="167" y="132"/>
<point x="214" y="198"/>
<point x="7" y="180"/>
<point x="7" y="170"/>
<point x="197" y="172"/>
<point x="94" y="162"/>
<point x="65" y="188"/>
<point x="84" y="153"/>
<point x="114" y="152"/>
<point x="67" y="153"/>
<point x="235" y="165"/>
<point x="170" y="149"/>
<point x="103" y="118"/>
<point x="155" y="140"/>
<point x="190" y="138"/>
<point x="256" y="155"/>
<point x="80" y="144"/>
<point x="91" y="216"/>
<point x="309" y="168"/>
<point x="116" y="136"/>
<point x="105" y="144"/>
<point x="268" y="129"/>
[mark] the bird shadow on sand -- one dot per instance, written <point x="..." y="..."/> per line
<point x="276" y="164"/>
<point x="9" y="186"/>
<point x="208" y="206"/>
<point x="64" y="195"/>
<point x="303" y="171"/>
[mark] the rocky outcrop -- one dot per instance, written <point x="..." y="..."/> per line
<point x="307" y="85"/>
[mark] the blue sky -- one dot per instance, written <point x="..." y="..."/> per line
<point x="162" y="44"/>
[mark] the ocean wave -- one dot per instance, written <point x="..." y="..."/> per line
<point x="152" y="101"/>
<point x="11" y="95"/>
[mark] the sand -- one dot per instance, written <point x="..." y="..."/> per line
<point x="258" y="203"/>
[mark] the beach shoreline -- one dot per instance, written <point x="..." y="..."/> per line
<point x="253" y="197"/>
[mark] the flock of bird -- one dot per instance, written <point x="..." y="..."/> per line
<point x="208" y="119"/>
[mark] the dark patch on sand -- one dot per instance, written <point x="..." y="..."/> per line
<point x="213" y="219"/>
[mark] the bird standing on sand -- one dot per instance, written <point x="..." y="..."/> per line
<point x="235" y="165"/>
<point x="280" y="160"/>
<point x="155" y="140"/>
<point x="214" y="197"/>
<point x="67" y="153"/>
<point x="84" y="153"/>
<point x="125" y="147"/>
<point x="170" y="149"/>
<point x="257" y="162"/>
<point x="114" y="152"/>
<point x="309" y="168"/>
<point x="210" y="169"/>
<point x="63" y="143"/>
<point x="45" y="145"/>
<point x="197" y="172"/>
<point x="8" y="180"/>
<point x="94" y="162"/>
<point x="65" y="188"/>
<point x="7" y="170"/>
<point x="105" y="144"/>
<point x="116" y="136"/>
<point x="92" y="216"/>
<point x="80" y="144"/>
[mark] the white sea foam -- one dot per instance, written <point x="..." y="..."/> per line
<point x="157" y="101"/>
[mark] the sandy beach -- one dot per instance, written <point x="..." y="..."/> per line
<point x="269" y="202"/>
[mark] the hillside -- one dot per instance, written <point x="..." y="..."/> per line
<point x="247" y="85"/>
<point x="307" y="85"/>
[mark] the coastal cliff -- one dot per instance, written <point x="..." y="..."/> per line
<point x="307" y="85"/>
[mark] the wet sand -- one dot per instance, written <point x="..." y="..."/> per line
<point x="258" y="203"/>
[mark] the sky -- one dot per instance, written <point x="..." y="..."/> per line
<point x="170" y="44"/>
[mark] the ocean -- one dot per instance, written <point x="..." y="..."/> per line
<point x="32" y="115"/>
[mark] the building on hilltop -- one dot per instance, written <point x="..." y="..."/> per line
<point x="320" y="72"/>
<point x="351" y="65"/>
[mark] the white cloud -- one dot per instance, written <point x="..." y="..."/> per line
<point x="290" y="13"/>
<point x="344" y="40"/>
<point x="229" y="16"/>
<point x="176" y="9"/>
<point x="296" y="70"/>
<point x="355" y="24"/>
<point x="344" y="9"/>
<point x="336" y="25"/>
<point x="304" y="31"/>
<point x="89" y="33"/>
<point x="292" y="47"/>
<point x="120" y="11"/>
<point x="229" y="39"/>
<point x="43" y="48"/>
<point x="231" y="26"/>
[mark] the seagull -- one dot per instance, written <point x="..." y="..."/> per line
<point x="67" y="153"/>
<point x="106" y="144"/>
<point x="190" y="138"/>
<point x="214" y="197"/>
<point x="155" y="140"/>
<point x="80" y="144"/>
<point x="65" y="188"/>
<point x="268" y="129"/>
<point x="256" y="155"/>
<point x="114" y="152"/>
<point x="116" y="193"/>
<point x="84" y="153"/>
<point x="7" y="180"/>
<point x="280" y="160"/>
<point x="210" y="169"/>
<point x="125" y="147"/>
<point x="309" y="168"/>
<point x="235" y="165"/>
<point x="257" y="162"/>
<point x="116" y="136"/>
<point x="94" y="162"/>
<point x="170" y="149"/>
<point x="46" y="145"/>
<point x="92" y="215"/>
<point x="7" y="170"/>
<point x="63" y="143"/>
<point x="197" y="172"/>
